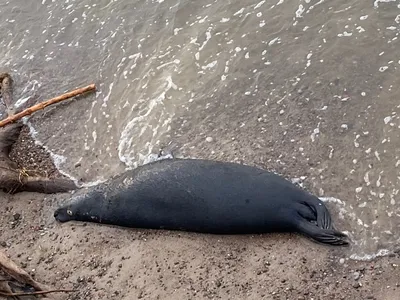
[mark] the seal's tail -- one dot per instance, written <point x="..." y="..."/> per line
<point x="322" y="229"/>
<point x="326" y="236"/>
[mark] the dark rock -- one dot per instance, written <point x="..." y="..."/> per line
<point x="16" y="216"/>
<point x="356" y="285"/>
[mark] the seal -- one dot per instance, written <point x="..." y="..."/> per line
<point x="203" y="196"/>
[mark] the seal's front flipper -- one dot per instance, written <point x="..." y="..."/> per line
<point x="325" y="236"/>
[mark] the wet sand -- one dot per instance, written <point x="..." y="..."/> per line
<point x="105" y="262"/>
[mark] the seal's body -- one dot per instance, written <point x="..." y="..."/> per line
<point x="204" y="196"/>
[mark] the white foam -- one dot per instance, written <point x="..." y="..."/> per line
<point x="369" y="257"/>
<point x="376" y="2"/>
<point x="21" y="101"/>
<point x="154" y="157"/>
<point x="30" y="87"/>
<point x="332" y="200"/>
<point x="210" y="65"/>
<point x="259" y="4"/>
<point x="355" y="256"/>
<point x="107" y="97"/>
<point x="300" y="11"/>
<point x="138" y="125"/>
<point x="208" y="37"/>
<point x="273" y="41"/>
<point x="176" y="61"/>
<point x="240" y="11"/>
<point x="57" y="159"/>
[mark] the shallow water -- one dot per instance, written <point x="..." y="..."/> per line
<point x="308" y="88"/>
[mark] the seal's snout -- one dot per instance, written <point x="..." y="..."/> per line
<point x="61" y="215"/>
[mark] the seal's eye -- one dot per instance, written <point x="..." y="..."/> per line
<point x="69" y="212"/>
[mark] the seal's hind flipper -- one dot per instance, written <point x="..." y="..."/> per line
<point x="306" y="212"/>
<point x="325" y="236"/>
<point x="321" y="211"/>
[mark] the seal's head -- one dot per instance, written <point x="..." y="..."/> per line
<point x="64" y="214"/>
<point x="83" y="207"/>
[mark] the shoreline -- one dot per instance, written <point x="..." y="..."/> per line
<point x="26" y="136"/>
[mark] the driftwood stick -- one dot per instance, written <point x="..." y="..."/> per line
<point x="20" y="275"/>
<point x="4" y="287"/>
<point x="42" y="105"/>
<point x="35" y="293"/>
<point x="46" y="185"/>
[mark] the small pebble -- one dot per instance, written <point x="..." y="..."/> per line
<point x="387" y="119"/>
<point x="341" y="261"/>
<point x="356" y="275"/>
<point x="209" y="139"/>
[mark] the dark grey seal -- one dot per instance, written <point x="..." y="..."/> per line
<point x="204" y="196"/>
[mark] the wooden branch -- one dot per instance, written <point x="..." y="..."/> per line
<point x="11" y="268"/>
<point x="4" y="287"/>
<point x="46" y="185"/>
<point x="35" y="293"/>
<point x="42" y="105"/>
